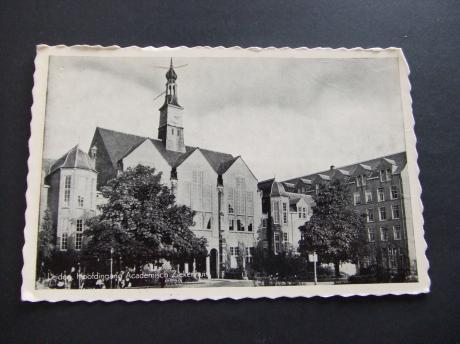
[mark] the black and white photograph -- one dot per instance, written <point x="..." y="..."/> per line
<point x="191" y="173"/>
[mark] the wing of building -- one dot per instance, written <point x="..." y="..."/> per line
<point x="379" y="189"/>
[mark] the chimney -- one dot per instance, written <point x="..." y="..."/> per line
<point x="332" y="167"/>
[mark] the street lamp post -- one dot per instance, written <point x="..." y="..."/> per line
<point x="111" y="267"/>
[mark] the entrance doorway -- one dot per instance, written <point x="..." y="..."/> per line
<point x="213" y="263"/>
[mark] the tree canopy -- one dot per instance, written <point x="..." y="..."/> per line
<point x="335" y="231"/>
<point x="141" y="221"/>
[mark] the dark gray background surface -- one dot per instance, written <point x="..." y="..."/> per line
<point x="428" y="31"/>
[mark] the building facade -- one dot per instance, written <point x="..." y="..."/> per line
<point x="219" y="187"/>
<point x="69" y="194"/>
<point x="379" y="188"/>
<point x="284" y="210"/>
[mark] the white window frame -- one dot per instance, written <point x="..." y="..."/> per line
<point x="357" y="198"/>
<point x="368" y="196"/>
<point x="285" y="215"/>
<point x="370" y="211"/>
<point x="394" y="190"/>
<point x="371" y="234"/>
<point x="381" y="199"/>
<point x="381" y="218"/>
<point x="393" y="207"/>
<point x="399" y="231"/>
<point x="382" y="237"/>
<point x="276" y="212"/>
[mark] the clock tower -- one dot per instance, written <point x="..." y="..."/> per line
<point x="171" y="129"/>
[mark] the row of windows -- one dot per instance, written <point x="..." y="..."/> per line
<point x="384" y="175"/>
<point x="385" y="233"/>
<point x="394" y="194"/>
<point x="382" y="211"/>
<point x="302" y="212"/>
<point x="235" y="251"/>
<point x="239" y="224"/>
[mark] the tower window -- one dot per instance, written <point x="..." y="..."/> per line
<point x="67" y="185"/>
<point x="172" y="131"/>
<point x="64" y="241"/>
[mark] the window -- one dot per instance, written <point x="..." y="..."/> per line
<point x="67" y="186"/>
<point x="381" y="194"/>
<point x="384" y="234"/>
<point x="395" y="211"/>
<point x="231" y="224"/>
<point x="208" y="226"/>
<point x="207" y="197"/>
<point x="276" y="212"/>
<point x="197" y="190"/>
<point x="240" y="196"/>
<point x="264" y="223"/>
<point x="78" y="240"/>
<point x="249" y="251"/>
<point x="285" y="237"/>
<point x="397" y="235"/>
<point x="249" y="203"/>
<point x="249" y="223"/>
<point x="80" y="201"/>
<point x="285" y="217"/>
<point x="394" y="192"/>
<point x="370" y="215"/>
<point x="368" y="196"/>
<point x="299" y="211"/>
<point x="385" y="175"/>
<point x="64" y="241"/>
<point x="304" y="212"/>
<point x="234" y="251"/>
<point x="371" y="234"/>
<point x="388" y="174"/>
<point x="382" y="214"/>
<point x="361" y="180"/>
<point x="356" y="198"/>
<point x="231" y="209"/>
<point x="79" y="225"/>
<point x="277" y="243"/>
<point x="172" y="131"/>
<point x="239" y="225"/>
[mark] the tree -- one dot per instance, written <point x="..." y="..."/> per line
<point x="46" y="242"/>
<point x="335" y="230"/>
<point x="141" y="222"/>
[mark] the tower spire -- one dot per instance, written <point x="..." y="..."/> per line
<point x="170" y="129"/>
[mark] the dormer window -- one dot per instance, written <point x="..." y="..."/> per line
<point x="361" y="180"/>
<point x="385" y="175"/>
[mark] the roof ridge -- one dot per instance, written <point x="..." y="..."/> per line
<point x="349" y="165"/>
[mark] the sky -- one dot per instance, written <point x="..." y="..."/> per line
<point x="285" y="117"/>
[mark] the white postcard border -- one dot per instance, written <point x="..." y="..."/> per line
<point x="28" y="291"/>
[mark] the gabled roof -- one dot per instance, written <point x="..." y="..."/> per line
<point x="119" y="145"/>
<point x="226" y="165"/>
<point x="74" y="158"/>
<point x="399" y="160"/>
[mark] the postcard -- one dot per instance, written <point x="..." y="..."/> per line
<point x="209" y="173"/>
